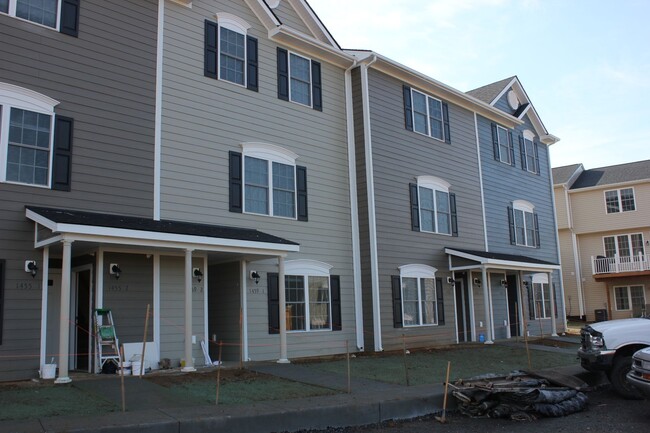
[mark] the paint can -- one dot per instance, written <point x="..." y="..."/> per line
<point x="48" y="371"/>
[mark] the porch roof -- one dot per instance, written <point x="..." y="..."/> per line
<point x="499" y="260"/>
<point x="82" y="225"/>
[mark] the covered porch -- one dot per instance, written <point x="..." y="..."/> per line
<point x="91" y="260"/>
<point x="505" y="295"/>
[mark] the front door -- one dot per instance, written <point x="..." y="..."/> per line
<point x="83" y="332"/>
<point x="462" y="310"/>
<point x="513" y="306"/>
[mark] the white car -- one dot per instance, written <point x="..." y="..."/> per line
<point x="639" y="375"/>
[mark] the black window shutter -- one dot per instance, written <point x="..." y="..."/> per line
<point x="495" y="141"/>
<point x="445" y="118"/>
<point x="273" y="288"/>
<point x="440" y="301"/>
<point x="211" y="49"/>
<point x="511" y="223"/>
<point x="454" y="216"/>
<point x="283" y="74"/>
<point x="536" y="231"/>
<point x="335" y="287"/>
<point x="2" y="295"/>
<point x="415" y="207"/>
<point x="397" y="301"/>
<point x="316" y="86"/>
<point x="522" y="150"/>
<point x="235" y="174"/>
<point x="408" y="108"/>
<point x="62" y="158"/>
<point x="301" y="187"/>
<point x="511" y="144"/>
<point x="70" y="17"/>
<point x="536" y="147"/>
<point x="251" y="63"/>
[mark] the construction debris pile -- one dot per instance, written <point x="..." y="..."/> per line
<point x="519" y="396"/>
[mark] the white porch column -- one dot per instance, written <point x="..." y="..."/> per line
<point x="45" y="270"/>
<point x="244" y="307"/>
<point x="283" y="313"/>
<point x="521" y="313"/>
<point x="486" y="295"/>
<point x="189" y="364"/>
<point x="64" y="320"/>
<point x="552" y="293"/>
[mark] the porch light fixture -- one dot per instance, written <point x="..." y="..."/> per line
<point x="31" y="267"/>
<point x="525" y="283"/>
<point x="115" y="270"/>
<point x="255" y="276"/>
<point x="477" y="282"/>
<point x="198" y="274"/>
<point x="504" y="283"/>
<point x="451" y="281"/>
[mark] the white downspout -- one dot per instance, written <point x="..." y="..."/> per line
<point x="354" y="208"/>
<point x="157" y="160"/>
<point x="576" y="254"/>
<point x="372" y="219"/>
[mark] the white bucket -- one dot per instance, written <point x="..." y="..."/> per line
<point x="48" y="371"/>
<point x="135" y="367"/>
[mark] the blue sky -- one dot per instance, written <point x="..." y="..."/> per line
<point x="585" y="64"/>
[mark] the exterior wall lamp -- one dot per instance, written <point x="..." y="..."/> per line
<point x="198" y="274"/>
<point x="255" y="276"/>
<point x="31" y="267"/>
<point x="115" y="270"/>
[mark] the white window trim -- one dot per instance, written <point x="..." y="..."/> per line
<point x="238" y="25"/>
<point x="435" y="184"/>
<point x="12" y="96"/>
<point x="310" y="268"/>
<point x="620" y="202"/>
<point x="508" y="162"/>
<point x="12" y="13"/>
<point x="629" y="296"/>
<point x="270" y="153"/>
<point x="427" y="97"/>
<point x="311" y="93"/>
<point x="524" y="206"/>
<point x="629" y="239"/>
<point x="417" y="271"/>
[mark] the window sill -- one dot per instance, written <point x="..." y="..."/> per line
<point x="271" y="216"/>
<point x="305" y="331"/>
<point x="442" y="140"/>
<point x="420" y="326"/>
<point x="435" y="233"/>
<point x="54" y="29"/>
<point x="9" y="182"/>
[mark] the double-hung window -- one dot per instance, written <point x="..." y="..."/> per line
<point x="299" y="79"/>
<point x="502" y="143"/>
<point x="620" y="200"/>
<point x="264" y="179"/>
<point x="417" y="297"/>
<point x="524" y="226"/>
<point x="426" y="115"/>
<point x="433" y="207"/>
<point x="62" y="15"/>
<point x="628" y="245"/>
<point x="541" y="298"/>
<point x="529" y="152"/>
<point x="230" y="53"/>
<point x="629" y="298"/>
<point x="29" y="154"/>
<point x="312" y="297"/>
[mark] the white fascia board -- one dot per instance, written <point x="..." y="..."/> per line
<point x="500" y="264"/>
<point x="263" y="13"/>
<point x="306" y="13"/>
<point x="437" y="88"/>
<point x="311" y="46"/>
<point x="48" y="241"/>
<point x="40" y="220"/>
<point x="505" y="89"/>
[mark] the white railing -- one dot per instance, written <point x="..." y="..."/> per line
<point x="616" y="264"/>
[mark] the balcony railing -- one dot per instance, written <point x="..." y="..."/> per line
<point x="616" y="264"/>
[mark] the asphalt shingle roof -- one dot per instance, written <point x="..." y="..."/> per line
<point x="563" y="174"/>
<point x="505" y="257"/>
<point x="613" y="174"/>
<point x="488" y="92"/>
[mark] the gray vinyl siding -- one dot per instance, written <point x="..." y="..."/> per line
<point x="204" y="119"/>
<point x="503" y="105"/>
<point x="399" y="156"/>
<point x="289" y="17"/>
<point x="105" y="81"/>
<point x="224" y="307"/>
<point x="499" y="305"/>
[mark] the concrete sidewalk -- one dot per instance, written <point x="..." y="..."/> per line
<point x="151" y="409"/>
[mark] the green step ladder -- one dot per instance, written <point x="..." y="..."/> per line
<point x="108" y="345"/>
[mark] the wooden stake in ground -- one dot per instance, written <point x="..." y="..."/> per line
<point x="406" y="368"/>
<point x="122" y="378"/>
<point x="443" y="419"/>
<point x="347" y="354"/>
<point x="144" y="340"/>
<point x="216" y="400"/>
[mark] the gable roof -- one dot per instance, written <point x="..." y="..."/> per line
<point x="491" y="93"/>
<point x="613" y="174"/>
<point x="562" y="175"/>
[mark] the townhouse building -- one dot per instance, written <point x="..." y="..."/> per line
<point x="603" y="231"/>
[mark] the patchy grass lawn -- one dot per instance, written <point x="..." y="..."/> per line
<point x="430" y="366"/>
<point x="28" y="400"/>
<point x="237" y="387"/>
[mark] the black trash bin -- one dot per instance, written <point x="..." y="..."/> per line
<point x="601" y="315"/>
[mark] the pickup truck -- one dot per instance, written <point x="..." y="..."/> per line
<point x="609" y="346"/>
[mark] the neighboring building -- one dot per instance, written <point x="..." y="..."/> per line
<point x="604" y="230"/>
<point x="439" y="264"/>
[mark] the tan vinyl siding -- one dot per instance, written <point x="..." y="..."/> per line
<point x="569" y="276"/>
<point x="561" y="211"/>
